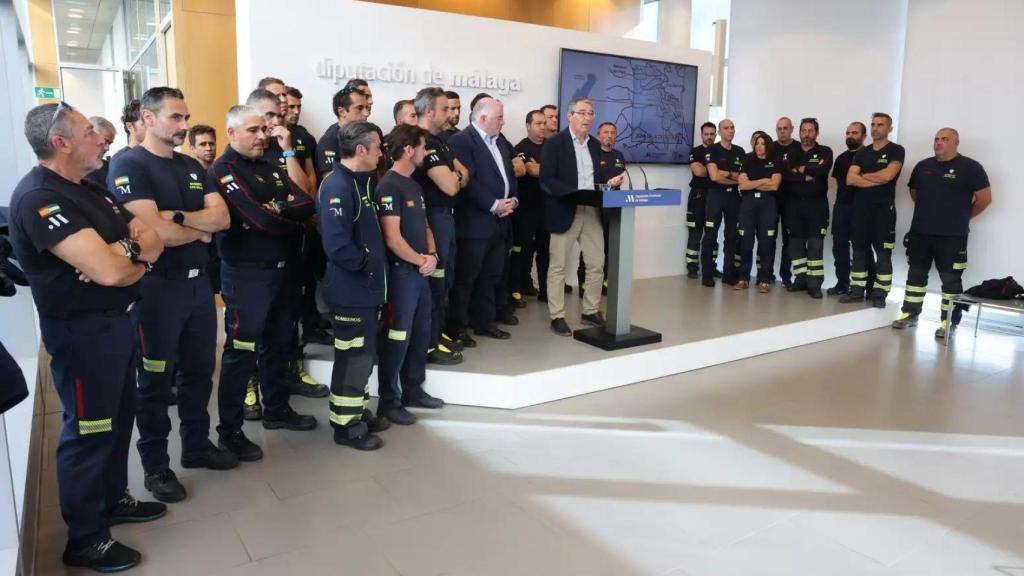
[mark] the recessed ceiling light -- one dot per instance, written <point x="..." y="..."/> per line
<point x="69" y="31"/>
<point x="74" y="15"/>
<point x="73" y="44"/>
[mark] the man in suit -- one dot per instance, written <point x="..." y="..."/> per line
<point x="481" y="221"/>
<point x="572" y="211"/>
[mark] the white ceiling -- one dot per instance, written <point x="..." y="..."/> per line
<point x="82" y="27"/>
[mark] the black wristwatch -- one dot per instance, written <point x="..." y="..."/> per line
<point x="132" y="250"/>
<point x="179" y="217"/>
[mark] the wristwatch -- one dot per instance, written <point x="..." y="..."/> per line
<point x="179" y="217"/>
<point x="132" y="250"/>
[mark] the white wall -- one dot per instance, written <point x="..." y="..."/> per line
<point x="835" y="61"/>
<point x="366" y="33"/>
<point x="963" y="69"/>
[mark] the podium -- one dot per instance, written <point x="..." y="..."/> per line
<point x="618" y="332"/>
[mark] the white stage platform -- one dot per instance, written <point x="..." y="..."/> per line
<point x="701" y="327"/>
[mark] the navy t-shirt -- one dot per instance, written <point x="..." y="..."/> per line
<point x="303" y="143"/>
<point x="609" y="165"/>
<point x="400" y="196"/>
<point x="438" y="154"/>
<point x="45" y="210"/>
<point x="176" y="183"/>
<point x="326" y="152"/>
<point x="870" y="160"/>
<point x="727" y="160"/>
<point x="530" y="193"/>
<point x="841" y="167"/>
<point x="757" y="168"/>
<point x="945" y="192"/>
<point x="701" y="155"/>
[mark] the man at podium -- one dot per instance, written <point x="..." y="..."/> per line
<point x="572" y="211"/>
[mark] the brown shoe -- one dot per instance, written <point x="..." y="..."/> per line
<point x="741" y="285"/>
<point x="763" y="287"/>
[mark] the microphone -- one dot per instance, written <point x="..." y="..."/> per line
<point x="628" y="177"/>
<point x="638" y="165"/>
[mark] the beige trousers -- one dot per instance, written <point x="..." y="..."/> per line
<point x="587" y="229"/>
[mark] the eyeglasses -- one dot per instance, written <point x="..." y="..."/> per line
<point x="585" y="114"/>
<point x="61" y="106"/>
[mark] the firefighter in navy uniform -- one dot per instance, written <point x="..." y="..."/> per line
<point x="355" y="285"/>
<point x="349" y="105"/>
<point x="760" y="177"/>
<point x="723" y="204"/>
<point x="610" y="163"/>
<point x="873" y="176"/>
<point x="806" y="174"/>
<point x="695" y="209"/>
<point x="785" y="149"/>
<point x="268" y="212"/>
<point x="177" y="318"/>
<point x="948" y="190"/>
<point x="842" y="212"/>
<point x="528" y="234"/>
<point x="412" y="260"/>
<point x="83" y="255"/>
<point x="441" y="178"/>
<point x="280" y="152"/>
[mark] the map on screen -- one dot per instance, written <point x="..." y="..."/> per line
<point x="652" y="103"/>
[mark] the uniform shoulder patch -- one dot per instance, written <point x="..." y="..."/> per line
<point x="120" y="181"/>
<point x="226" y="179"/>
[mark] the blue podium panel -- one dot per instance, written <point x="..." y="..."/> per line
<point x="642" y="198"/>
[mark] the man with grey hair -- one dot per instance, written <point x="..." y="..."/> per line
<point x="572" y="212"/>
<point x="405" y="113"/>
<point x="107" y="132"/>
<point x="83" y="255"/>
<point x="279" y="149"/>
<point x="481" y="222"/>
<point x="442" y="177"/>
<point x="268" y="212"/>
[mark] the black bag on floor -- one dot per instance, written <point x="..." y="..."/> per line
<point x="998" y="289"/>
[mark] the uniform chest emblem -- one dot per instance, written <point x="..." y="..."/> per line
<point x="951" y="175"/>
<point x="260" y="179"/>
<point x="194" y="176"/>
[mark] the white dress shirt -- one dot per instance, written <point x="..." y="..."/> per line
<point x="584" y="163"/>
<point x="492" y="146"/>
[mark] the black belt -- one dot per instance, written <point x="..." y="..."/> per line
<point x="756" y="194"/>
<point x="272" y="265"/>
<point x="443" y="209"/>
<point x="179" y="273"/>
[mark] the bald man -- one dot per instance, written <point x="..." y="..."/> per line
<point x="948" y="190"/>
<point x="787" y="149"/>
<point x="723" y="204"/>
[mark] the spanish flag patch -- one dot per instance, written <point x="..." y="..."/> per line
<point x="50" y="210"/>
<point x="122" y="181"/>
<point x="227" y="179"/>
<point x="334" y="201"/>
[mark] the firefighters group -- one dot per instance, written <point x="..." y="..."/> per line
<point x="412" y="238"/>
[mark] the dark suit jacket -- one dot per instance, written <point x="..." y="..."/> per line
<point x="473" y="218"/>
<point x="558" y="179"/>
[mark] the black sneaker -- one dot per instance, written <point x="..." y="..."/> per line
<point x="367" y="442"/>
<point x="530" y="290"/>
<point x="707" y="281"/>
<point x="165" y="487"/>
<point x="466" y="340"/>
<point x="560" y="327"/>
<point x="129" y="510"/>
<point x="878" y="302"/>
<point x="424" y="401"/>
<point x="568" y="289"/>
<point x="211" y="457"/>
<point x="243" y="448"/>
<point x="851" y="298"/>
<point x="107" y="557"/>
<point x="288" y="419"/>
<point x="595" y="319"/>
<point x="815" y="293"/>
<point x="516" y="300"/>
<point x="398" y="415"/>
<point x="692" y="274"/>
<point x="443" y="356"/>
<point x="796" y="287"/>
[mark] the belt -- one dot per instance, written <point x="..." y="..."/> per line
<point x="179" y="273"/>
<point x="442" y="209"/>
<point x="272" y="265"/>
<point x="757" y="194"/>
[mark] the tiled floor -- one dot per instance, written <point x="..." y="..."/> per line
<point x="880" y="453"/>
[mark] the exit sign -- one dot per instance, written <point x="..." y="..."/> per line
<point x="47" y="93"/>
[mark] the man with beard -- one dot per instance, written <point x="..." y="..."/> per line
<point x="404" y="112"/>
<point x="695" y="203"/>
<point x="454" y="112"/>
<point x="349" y="104"/>
<point x="529" y="236"/>
<point x="873" y="175"/>
<point x="807" y="175"/>
<point x="176" y="317"/>
<point x="842" y="212"/>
